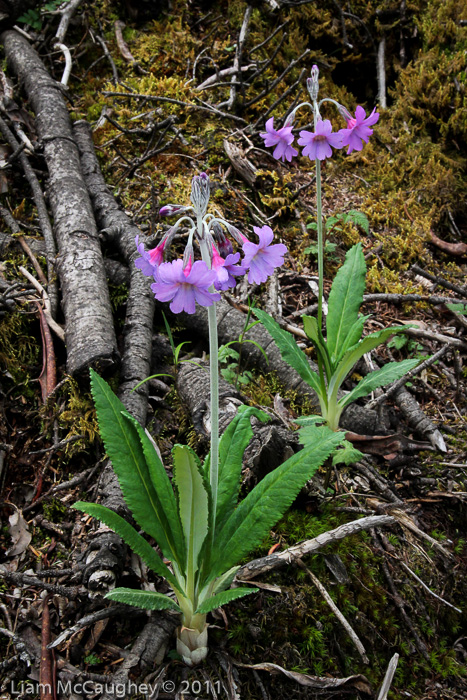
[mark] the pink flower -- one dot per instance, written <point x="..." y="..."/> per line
<point x="149" y="260"/>
<point x="226" y="269"/>
<point x="261" y="258"/>
<point x="318" y="144"/>
<point x="282" y="138"/>
<point x="184" y="287"/>
<point x="358" y="129"/>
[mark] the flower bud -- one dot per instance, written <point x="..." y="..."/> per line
<point x="313" y="83"/>
<point x="344" y="112"/>
<point x="223" y="244"/>
<point x="200" y="191"/>
<point x="171" y="209"/>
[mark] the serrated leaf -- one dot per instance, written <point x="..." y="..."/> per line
<point x="232" y="446"/>
<point x="386" y="375"/>
<point x="223" y="598"/>
<point x="163" y="487"/>
<point x="147" y="600"/>
<point x="289" y="350"/>
<point x="124" y="448"/>
<point x="133" y="539"/>
<point x="345" y="299"/>
<point x="267" y="502"/>
<point x="348" y="455"/>
<point x="193" y="502"/>
<point x="308" y="434"/>
<point x="359" y="219"/>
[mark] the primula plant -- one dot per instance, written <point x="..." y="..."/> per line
<point x="340" y="345"/>
<point x="196" y="521"/>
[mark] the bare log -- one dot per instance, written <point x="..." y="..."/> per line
<point x="89" y="328"/>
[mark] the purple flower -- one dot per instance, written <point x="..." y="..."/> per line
<point x="261" y="258"/>
<point x="184" y="287"/>
<point x="149" y="260"/>
<point x="358" y="129"/>
<point x="318" y="144"/>
<point x="282" y="138"/>
<point x="226" y="269"/>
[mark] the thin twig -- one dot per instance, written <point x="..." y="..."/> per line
<point x="345" y="623"/>
<point x="403" y="380"/>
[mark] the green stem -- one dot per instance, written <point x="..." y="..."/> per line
<point x="214" y="383"/>
<point x="319" y="222"/>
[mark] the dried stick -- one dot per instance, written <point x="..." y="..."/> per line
<point x="352" y="634"/>
<point x="274" y="561"/>
<point x="439" y="337"/>
<point x="58" y="330"/>
<point x="44" y="221"/>
<point x="439" y="280"/>
<point x="390" y="391"/>
<point x="435" y="595"/>
<point x="238" y="59"/>
<point x="275" y="82"/>
<point x="381" y="73"/>
<point x="67" y="13"/>
<point x="383" y="693"/>
<point x="68" y="63"/>
<point x="157" y="98"/>
<point x="401" y="298"/>
<point x="88" y="620"/>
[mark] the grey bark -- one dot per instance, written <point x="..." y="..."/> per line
<point x="104" y="567"/>
<point x="90" y="335"/>
<point x="230" y="323"/>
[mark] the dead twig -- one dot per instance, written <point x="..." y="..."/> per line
<point x="273" y="561"/>
<point x="345" y="623"/>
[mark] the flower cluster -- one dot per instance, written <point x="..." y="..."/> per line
<point x="185" y="282"/>
<point x="317" y="144"/>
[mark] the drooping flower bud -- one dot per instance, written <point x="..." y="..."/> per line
<point x="344" y="112"/>
<point x="224" y="246"/>
<point x="313" y="83"/>
<point x="172" y="209"/>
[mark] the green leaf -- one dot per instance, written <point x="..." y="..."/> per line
<point x="223" y="598"/>
<point x="353" y="336"/>
<point x="193" y="502"/>
<point x="233" y="443"/>
<point x="458" y="308"/>
<point x="348" y="455"/>
<point x="386" y="375"/>
<point x="124" y="448"/>
<point x="133" y="539"/>
<point x="289" y="350"/>
<point x="147" y="600"/>
<point x="310" y="326"/>
<point x="359" y="219"/>
<point x="354" y="353"/>
<point x="168" y="509"/>
<point x="309" y="420"/>
<point x="267" y="502"/>
<point x="345" y="299"/>
<point x="224" y="581"/>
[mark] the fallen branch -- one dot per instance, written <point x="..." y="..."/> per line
<point x="288" y="556"/>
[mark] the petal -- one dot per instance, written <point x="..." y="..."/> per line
<point x="360" y="114"/>
<point x="323" y="150"/>
<point x="265" y="235"/>
<point x="306" y="137"/>
<point x="184" y="300"/>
